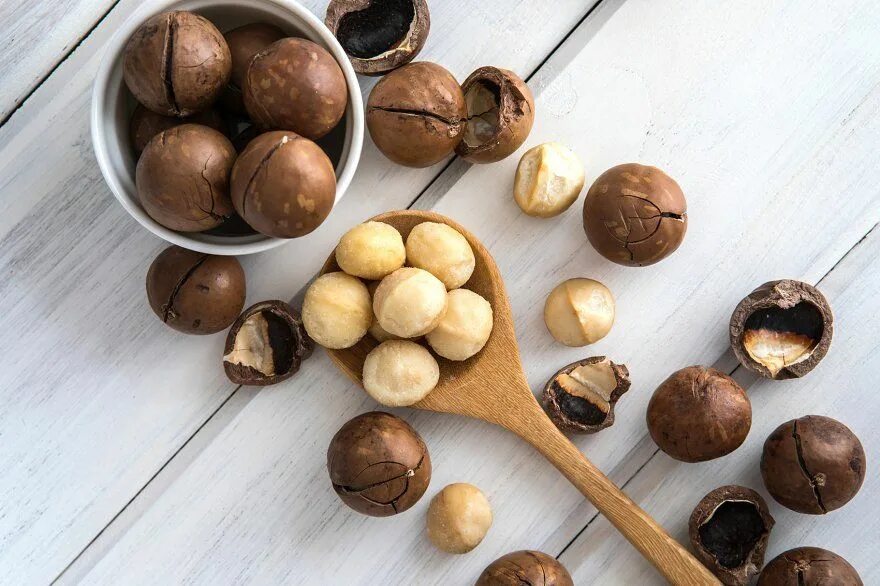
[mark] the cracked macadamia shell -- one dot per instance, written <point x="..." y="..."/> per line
<point x="398" y="373"/>
<point x="579" y="312"/>
<point x="416" y="114"/>
<point x="182" y="178"/>
<point x="813" y="465"/>
<point x="410" y="302"/>
<point x="458" y="518"/>
<point x="549" y="178"/>
<point x="699" y="414"/>
<point x="464" y="329"/>
<point x="378" y="464"/>
<point x="581" y="396"/>
<point x="729" y="529"/>
<point x="193" y="292"/>
<point x="296" y="85"/>
<point x="442" y="251"/>
<point x="283" y="185"/>
<point x="145" y="124"/>
<point x="337" y="311"/>
<point x="520" y="568"/>
<point x="635" y="215"/>
<point x="782" y="329"/>
<point x="177" y="63"/>
<point x="500" y="114"/>
<point x="809" y="566"/>
<point x="371" y="250"/>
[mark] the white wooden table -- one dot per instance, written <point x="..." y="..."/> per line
<point x="127" y="456"/>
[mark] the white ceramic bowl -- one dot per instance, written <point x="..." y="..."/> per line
<point x="112" y="106"/>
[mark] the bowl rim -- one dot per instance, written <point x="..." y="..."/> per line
<point x="354" y="118"/>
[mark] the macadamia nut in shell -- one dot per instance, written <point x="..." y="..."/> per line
<point x="459" y="518"/>
<point x="465" y="328"/>
<point x="398" y="373"/>
<point x="336" y="310"/>
<point x="442" y="251"/>
<point x="371" y="250"/>
<point x="410" y="302"/>
<point x="549" y="179"/>
<point x="579" y="312"/>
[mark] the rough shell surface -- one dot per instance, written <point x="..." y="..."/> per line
<point x="809" y="566"/>
<point x="521" y="568"/>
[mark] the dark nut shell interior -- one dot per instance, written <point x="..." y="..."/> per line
<point x="266" y="345"/>
<point x="809" y="566"/>
<point x="729" y="530"/>
<point x="635" y="215"/>
<point x="813" y="465"/>
<point x="500" y="113"/>
<point x="782" y="329"/>
<point x="193" y="292"/>
<point x="699" y="414"/>
<point x="520" y="568"/>
<point x="379" y="35"/>
<point x="378" y="464"/>
<point x="145" y="124"/>
<point x="581" y="397"/>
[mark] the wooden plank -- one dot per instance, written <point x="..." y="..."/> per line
<point x="95" y="394"/>
<point x="749" y="112"/>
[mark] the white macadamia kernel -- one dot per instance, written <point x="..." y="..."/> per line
<point x="579" y="312"/>
<point x="409" y="302"/>
<point x="442" y="251"/>
<point x="465" y="328"/>
<point x="398" y="373"/>
<point x="371" y="250"/>
<point x="548" y="180"/>
<point x="459" y="517"/>
<point x="337" y="311"/>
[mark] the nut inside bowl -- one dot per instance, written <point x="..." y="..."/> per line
<point x="112" y="106"/>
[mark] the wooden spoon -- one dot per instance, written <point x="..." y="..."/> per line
<point x="492" y="386"/>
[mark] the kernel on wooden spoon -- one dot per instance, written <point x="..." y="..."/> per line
<point x="492" y="386"/>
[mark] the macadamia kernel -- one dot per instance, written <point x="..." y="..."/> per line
<point x="459" y="518"/>
<point x="549" y="179"/>
<point x="579" y="312"/>
<point x="442" y="251"/>
<point x="409" y="302"/>
<point x="398" y="373"/>
<point x="371" y="251"/>
<point x="465" y="328"/>
<point x="337" y="310"/>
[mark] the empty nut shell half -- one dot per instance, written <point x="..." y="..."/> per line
<point x="379" y="35"/>
<point x="581" y="396"/>
<point x="532" y="568"/>
<point x="729" y="530"/>
<point x="809" y="566"/>
<point x="500" y="113"/>
<point x="782" y="329"/>
<point x="266" y="345"/>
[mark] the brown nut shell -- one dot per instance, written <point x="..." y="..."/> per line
<point x="379" y="35"/>
<point x="581" y="397"/>
<point x="416" y="114"/>
<point x="813" y="465"/>
<point x="195" y="293"/>
<point x="145" y="124"/>
<point x="378" y="464"/>
<point x="519" y="568"/>
<point x="177" y="63"/>
<point x="635" y="215"/>
<point x="266" y="345"/>
<point x="782" y="329"/>
<point x="699" y="414"/>
<point x="500" y="112"/>
<point x="245" y="42"/>
<point x="283" y="185"/>
<point x="182" y="178"/>
<point x="729" y="529"/>
<point x="295" y="85"/>
<point x="809" y="566"/>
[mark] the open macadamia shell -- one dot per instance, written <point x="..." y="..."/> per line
<point x="729" y="530"/>
<point x="782" y="329"/>
<point x="581" y="397"/>
<point x="809" y="566"/>
<point x="525" y="568"/>
<point x="266" y="345"/>
<point x="500" y="114"/>
<point x="379" y="35"/>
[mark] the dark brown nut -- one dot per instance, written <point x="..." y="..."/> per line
<point x="635" y="215"/>
<point x="809" y="566"/>
<point x="295" y="85"/>
<point x="177" y="63"/>
<point x="532" y="568"/>
<point x="283" y="185"/>
<point x="416" y="114"/>
<point x="266" y="345"/>
<point x="379" y="35"/>
<point x="182" y="178"/>
<point x="500" y="113"/>
<point x="699" y="414"/>
<point x="782" y="329"/>
<point x="245" y="42"/>
<point x="145" y="124"/>
<point x="581" y="396"/>
<point x="729" y="529"/>
<point x="378" y="464"/>
<point x="195" y="293"/>
<point x="813" y="465"/>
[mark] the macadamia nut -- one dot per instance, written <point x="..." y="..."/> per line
<point x="579" y="312"/>
<point x="549" y="179"/>
<point x="459" y="518"/>
<point x="409" y="302"/>
<point x="371" y="251"/>
<point x="398" y="373"/>
<point x="442" y="251"/>
<point x="465" y="328"/>
<point x="337" y="310"/>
